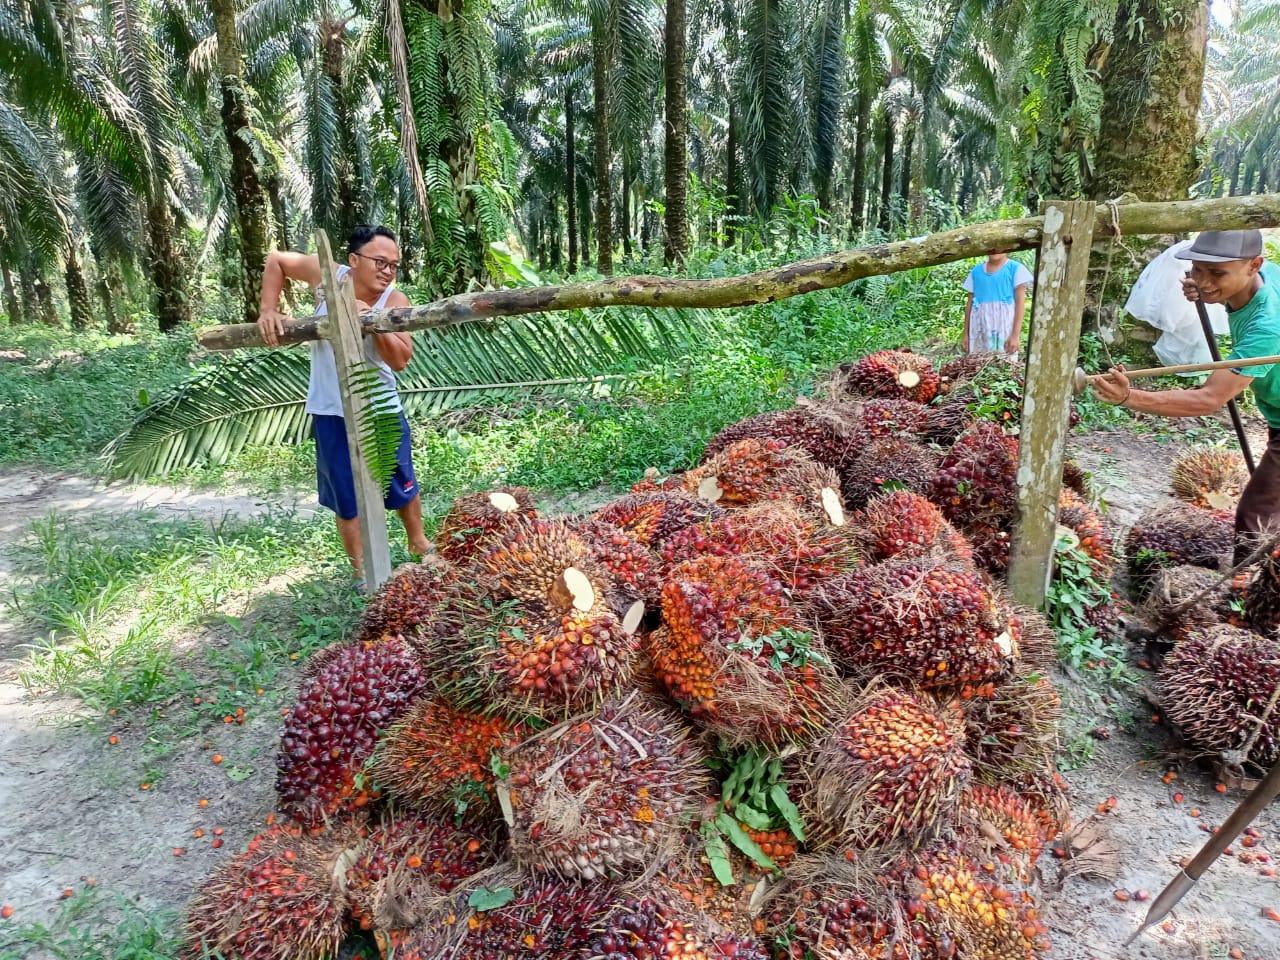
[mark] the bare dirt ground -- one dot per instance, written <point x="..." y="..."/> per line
<point x="71" y="806"/>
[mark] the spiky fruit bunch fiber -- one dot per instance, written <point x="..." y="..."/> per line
<point x="968" y="365"/>
<point x="890" y="418"/>
<point x="748" y="471"/>
<point x="1209" y="477"/>
<point x="977" y="479"/>
<point x="927" y="621"/>
<point x="1034" y="638"/>
<point x="989" y="810"/>
<point x="632" y="564"/>
<point x="732" y="655"/>
<point x="1221" y="688"/>
<point x="543" y="564"/>
<point x="795" y="548"/>
<point x="1261" y="595"/>
<point x="602" y="797"/>
<point x="830" y="433"/>
<point x="279" y="900"/>
<point x="888" y="373"/>
<point x="1074" y="512"/>
<point x="892" y="770"/>
<point x="652" y="518"/>
<point x="946" y="418"/>
<point x="1175" y="534"/>
<point x="439" y="757"/>
<point x="405" y="860"/>
<point x="895" y="461"/>
<point x="404" y="605"/>
<point x="646" y="929"/>
<point x="689" y="880"/>
<point x="1013" y="731"/>
<point x="900" y="523"/>
<point x="352" y="694"/>
<point x="992" y="544"/>
<point x="472" y="518"/>
<point x="1185" y="599"/>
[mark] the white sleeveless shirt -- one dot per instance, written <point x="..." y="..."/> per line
<point x="323" y="399"/>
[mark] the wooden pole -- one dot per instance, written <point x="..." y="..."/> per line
<point x="1062" y="269"/>
<point x="766" y="286"/>
<point x="342" y="326"/>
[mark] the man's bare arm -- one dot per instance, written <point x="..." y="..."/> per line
<point x="395" y="349"/>
<point x="283" y="265"/>
<point x="1209" y="397"/>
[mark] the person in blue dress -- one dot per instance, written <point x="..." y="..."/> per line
<point x="997" y="302"/>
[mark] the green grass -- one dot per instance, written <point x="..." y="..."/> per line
<point x="90" y="926"/>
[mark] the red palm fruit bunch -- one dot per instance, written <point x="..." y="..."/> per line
<point x="690" y="880"/>
<point x="1209" y="477"/>
<point x="899" y="523"/>
<point x="883" y="417"/>
<point x="646" y="929"/>
<point x="505" y="914"/>
<point x="748" y="471"/>
<point x="1260" y="595"/>
<point x="796" y="548"/>
<point x="351" y="694"/>
<point x="652" y="518"/>
<point x="1175" y="534"/>
<point x="279" y="900"/>
<point x="1185" y="599"/>
<point x="440" y="757"/>
<point x="1221" y="689"/>
<point x="925" y="620"/>
<point x="632" y="564"/>
<point x="968" y="365"/>
<point x="827" y="432"/>
<point x="1013" y="731"/>
<point x="888" y="373"/>
<point x="474" y="517"/>
<point x="991" y="543"/>
<point x="888" y="461"/>
<point x="977" y="478"/>
<point x="1076" y="479"/>
<point x="404" y="605"/>
<point x="405" y="860"/>
<point x="946" y="418"/>
<point x="731" y="655"/>
<point x="1010" y="827"/>
<point x="605" y="796"/>
<point x="1075" y="513"/>
<point x="891" y="770"/>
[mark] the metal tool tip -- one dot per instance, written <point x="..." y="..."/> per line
<point x="1136" y="934"/>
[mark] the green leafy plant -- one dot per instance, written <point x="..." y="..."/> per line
<point x="754" y="792"/>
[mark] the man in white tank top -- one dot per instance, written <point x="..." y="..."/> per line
<point x="373" y="257"/>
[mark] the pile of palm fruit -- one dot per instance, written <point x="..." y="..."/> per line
<point x="1219" y="677"/>
<point x="776" y="706"/>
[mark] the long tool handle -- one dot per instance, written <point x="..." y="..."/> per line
<point x="1234" y="410"/>
<point x="1201" y="367"/>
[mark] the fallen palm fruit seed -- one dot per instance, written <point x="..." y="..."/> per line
<point x="215" y="844"/>
<point x="1253" y="833"/>
<point x="67" y="894"/>
<point x="1264" y="857"/>
<point x="1142" y="896"/>
<point x="1178" y="797"/>
<point x="1195" y="811"/>
<point x="1271" y="913"/>
<point x="197" y="833"/>
<point x="1229" y="852"/>
<point x="179" y="851"/>
<point x="217" y="831"/>
<point x="1220" y="787"/>
<point x="144" y="786"/>
<point x="113" y="739"/>
<point x="1144" y="665"/>
<point x="1169" y="926"/>
<point x="1169" y="777"/>
<point x="1155" y="718"/>
<point x="216" y="758"/>
<point x="202" y="802"/>
<point x="6" y="911"/>
<point x="1235" y="953"/>
<point x="1122" y="896"/>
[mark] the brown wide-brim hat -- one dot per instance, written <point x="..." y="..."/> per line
<point x="1223" y="246"/>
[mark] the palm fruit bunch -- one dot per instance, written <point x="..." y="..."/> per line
<point x="884" y="417"/>
<point x="946" y="418"/>
<point x="1013" y="730"/>
<point x="474" y="517"/>
<point x="652" y="518"/>
<point x="751" y="470"/>
<point x="439" y="757"/>
<point x="407" y="859"/>
<point x="1076" y="479"/>
<point x="690" y="880"/>
<point x="1075" y="513"/>
<point x="279" y="900"/>
<point x="902" y="523"/>
<point x="403" y="606"/>
<point x="891" y="770"/>
<point x="1174" y="534"/>
<point x="528" y="628"/>
<point x="967" y="366"/>
<point x="732" y="655"/>
<point x="631" y="563"/>
<point x="1034" y="639"/>
<point x="959" y="912"/>
<point x="894" y="374"/>
<point x="925" y="620"/>
<point x="895" y="461"/>
<point x="353" y="692"/>
<point x="797" y="549"/>
<point x="977" y="479"/>
<point x="998" y="812"/>
<point x="604" y="796"/>
<point x="1260" y="595"/>
<point x="647" y="929"/>
<point x="1209" y="477"/>
<point x="1186" y="598"/>
<point x="992" y="544"/>
<point x="1221" y="689"/>
<point x="829" y="433"/>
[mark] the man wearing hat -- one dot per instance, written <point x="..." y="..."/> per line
<point x="1227" y="267"/>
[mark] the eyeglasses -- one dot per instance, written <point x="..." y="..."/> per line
<point x="393" y="266"/>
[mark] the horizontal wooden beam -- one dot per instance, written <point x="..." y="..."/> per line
<point x="766" y="286"/>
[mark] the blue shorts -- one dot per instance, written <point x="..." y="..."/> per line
<point x="334" y="482"/>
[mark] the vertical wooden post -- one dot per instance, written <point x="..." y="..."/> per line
<point x="342" y="328"/>
<point x="1046" y="404"/>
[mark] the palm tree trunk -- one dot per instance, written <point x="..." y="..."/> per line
<point x="77" y="291"/>
<point x="731" y="178"/>
<point x="570" y="180"/>
<point x="603" y="153"/>
<point x="44" y="298"/>
<point x="886" y="178"/>
<point x="584" y="221"/>
<point x="251" y="202"/>
<point x="627" y="176"/>
<point x="675" y="157"/>
<point x="27" y="286"/>
<point x="908" y="147"/>
<point x="164" y="264"/>
<point x="12" y="305"/>
<point x="350" y="204"/>
<point x="858" y="200"/>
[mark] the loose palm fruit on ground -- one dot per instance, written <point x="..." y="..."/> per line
<point x="902" y="523"/>
<point x="828" y="432"/>
<point x="924" y="620"/>
<point x="892" y="770"/>
<point x="603" y="796"/>
<point x="646" y="929"/>
<point x="473" y="517"/>
<point x="404" y="605"/>
<point x="438" y="758"/>
<point x="891" y="418"/>
<point x="351" y="694"/>
<point x="1013" y="730"/>
<point x="1221" y="689"/>
<point x="893" y="461"/>
<point x="1176" y="534"/>
<point x="976" y="481"/>
<point x="279" y="900"/>
<point x="1074" y="512"/>
<point x="888" y="373"/>
<point x="1209" y="477"/>
<point x="652" y="518"/>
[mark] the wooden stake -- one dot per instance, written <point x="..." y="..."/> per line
<point x="1062" y="269"/>
<point x="342" y="327"/>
